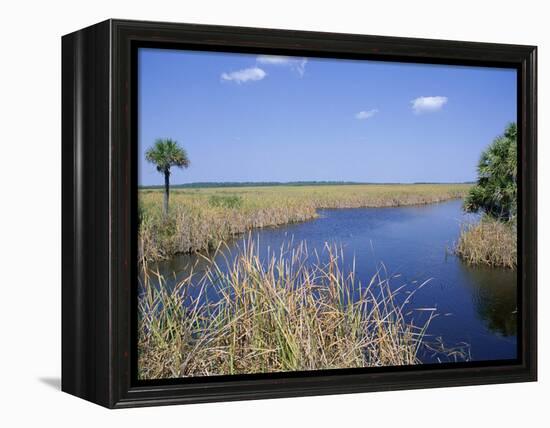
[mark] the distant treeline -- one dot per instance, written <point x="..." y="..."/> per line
<point x="276" y="183"/>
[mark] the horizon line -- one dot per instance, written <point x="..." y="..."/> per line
<point x="213" y="183"/>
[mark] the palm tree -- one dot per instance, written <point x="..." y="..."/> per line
<point x="495" y="192"/>
<point x="166" y="153"/>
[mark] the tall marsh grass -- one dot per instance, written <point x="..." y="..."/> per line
<point x="200" y="219"/>
<point x="294" y="310"/>
<point x="490" y="242"/>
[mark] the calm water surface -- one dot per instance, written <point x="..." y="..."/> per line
<point x="477" y="305"/>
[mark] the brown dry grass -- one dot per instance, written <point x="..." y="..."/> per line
<point x="293" y="312"/>
<point x="490" y="242"/>
<point x="202" y="218"/>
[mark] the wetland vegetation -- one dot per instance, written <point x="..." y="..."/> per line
<point x="247" y="267"/>
<point x="202" y="218"/>
<point x="493" y="240"/>
<point x="291" y="311"/>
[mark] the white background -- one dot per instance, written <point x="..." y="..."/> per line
<point x="30" y="182"/>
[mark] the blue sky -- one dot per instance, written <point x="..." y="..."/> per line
<point x="246" y="117"/>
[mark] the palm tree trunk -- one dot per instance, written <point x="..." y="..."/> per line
<point x="166" y="190"/>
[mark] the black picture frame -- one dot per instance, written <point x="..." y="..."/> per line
<point x="99" y="190"/>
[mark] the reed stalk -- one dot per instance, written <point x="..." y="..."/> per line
<point x="294" y="310"/>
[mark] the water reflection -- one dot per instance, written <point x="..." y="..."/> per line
<point x="494" y="294"/>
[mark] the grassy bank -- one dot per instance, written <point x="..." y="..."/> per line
<point x="490" y="242"/>
<point x="293" y="312"/>
<point x="201" y="218"/>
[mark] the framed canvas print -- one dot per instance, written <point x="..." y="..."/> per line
<point x="253" y="213"/>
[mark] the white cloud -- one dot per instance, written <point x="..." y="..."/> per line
<point x="428" y="104"/>
<point x="366" y="114"/>
<point x="241" y="76"/>
<point x="296" y="63"/>
<point x="273" y="59"/>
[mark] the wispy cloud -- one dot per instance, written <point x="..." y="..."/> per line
<point x="428" y="104"/>
<point x="296" y="63"/>
<point x="274" y="59"/>
<point x="245" y="75"/>
<point x="366" y="114"/>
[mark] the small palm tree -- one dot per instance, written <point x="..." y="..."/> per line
<point x="165" y="154"/>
